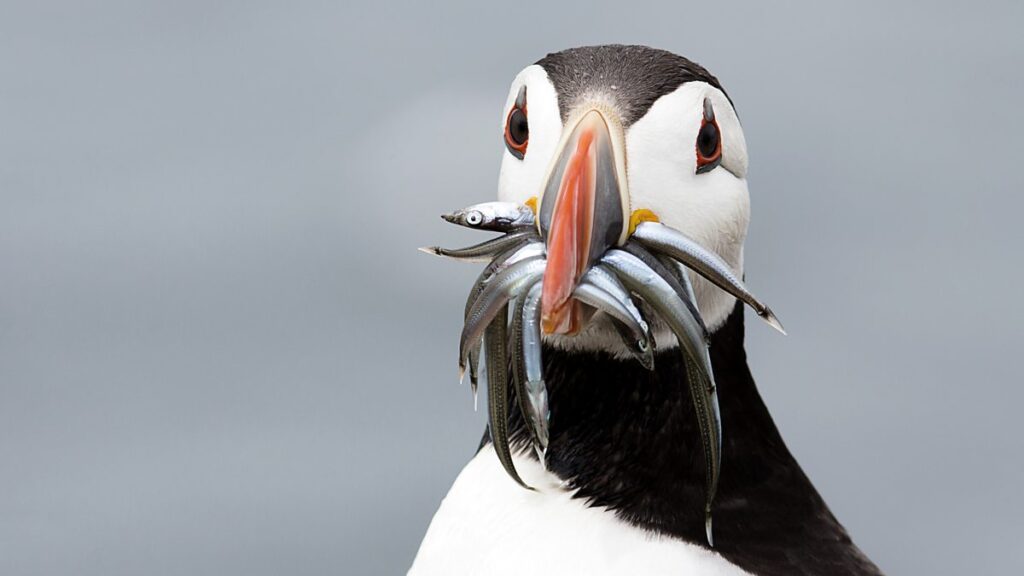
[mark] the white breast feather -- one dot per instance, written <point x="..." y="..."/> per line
<point x="488" y="525"/>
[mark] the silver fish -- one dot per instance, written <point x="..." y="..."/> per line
<point x="710" y="480"/>
<point x="661" y="296"/>
<point x="607" y="281"/>
<point x="496" y="216"/>
<point x="532" y="406"/>
<point x="712" y="469"/>
<point x="485" y="251"/>
<point x="494" y="296"/>
<point x="692" y="375"/>
<point x="497" y="391"/>
<point x="502" y="261"/>
<point x="637" y="336"/>
<point x="536" y="389"/>
<point x="663" y="239"/>
<point x="673" y="280"/>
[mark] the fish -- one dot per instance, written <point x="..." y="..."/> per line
<point x="711" y="481"/>
<point x="494" y="216"/>
<point x="637" y="336"/>
<point x="532" y="406"/>
<point x="500" y="262"/>
<point x="605" y="280"/>
<point x="665" y="240"/>
<point x="711" y="435"/>
<point x="652" y="265"/>
<point x="636" y="275"/>
<point x="672" y="279"/>
<point x="485" y="251"/>
<point x="497" y="392"/>
<point x="496" y="294"/>
<point x="536" y="389"/>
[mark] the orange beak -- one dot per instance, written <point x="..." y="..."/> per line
<point x="582" y="214"/>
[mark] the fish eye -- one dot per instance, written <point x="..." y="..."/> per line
<point x="709" y="141"/>
<point x="474" y="218"/>
<point x="517" y="127"/>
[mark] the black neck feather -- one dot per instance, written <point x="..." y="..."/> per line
<point x="626" y="439"/>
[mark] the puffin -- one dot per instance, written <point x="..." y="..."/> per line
<point x="620" y="488"/>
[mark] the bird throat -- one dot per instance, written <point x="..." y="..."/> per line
<point x="626" y="439"/>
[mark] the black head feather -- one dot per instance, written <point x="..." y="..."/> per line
<point x="633" y="77"/>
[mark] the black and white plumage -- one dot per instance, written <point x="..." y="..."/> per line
<point x="622" y="488"/>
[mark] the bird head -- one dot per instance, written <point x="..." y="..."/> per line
<point x="599" y="139"/>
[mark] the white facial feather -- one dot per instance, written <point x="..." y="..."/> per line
<point x="712" y="208"/>
<point x="521" y="179"/>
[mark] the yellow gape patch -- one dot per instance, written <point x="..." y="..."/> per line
<point x="638" y="216"/>
<point x="531" y="203"/>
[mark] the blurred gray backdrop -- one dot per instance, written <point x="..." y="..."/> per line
<point x="221" y="353"/>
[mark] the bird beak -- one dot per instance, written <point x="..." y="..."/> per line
<point x="584" y="210"/>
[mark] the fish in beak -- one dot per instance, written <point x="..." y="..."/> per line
<point x="584" y="211"/>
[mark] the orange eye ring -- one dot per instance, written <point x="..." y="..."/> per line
<point x="709" y="141"/>
<point x="517" y="126"/>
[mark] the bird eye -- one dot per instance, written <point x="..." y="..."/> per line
<point x="709" y="141"/>
<point x="517" y="128"/>
<point x="474" y="218"/>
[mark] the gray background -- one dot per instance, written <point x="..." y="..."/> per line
<point x="220" y="352"/>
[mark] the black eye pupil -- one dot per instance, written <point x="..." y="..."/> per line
<point x="518" y="127"/>
<point x="707" y="140"/>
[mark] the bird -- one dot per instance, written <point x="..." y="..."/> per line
<point x="620" y="487"/>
